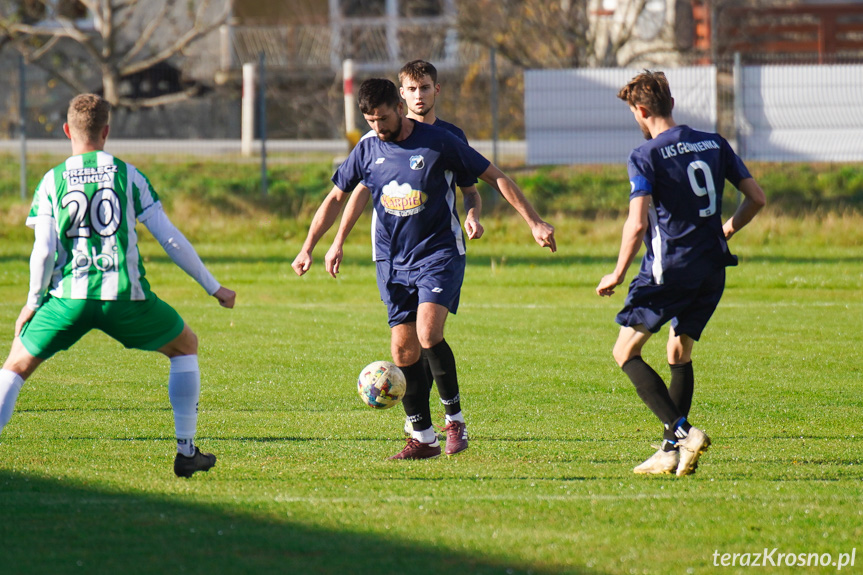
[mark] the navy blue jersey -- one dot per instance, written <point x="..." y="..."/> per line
<point x="684" y="172"/>
<point x="412" y="184"/>
<point x="380" y="236"/>
<point x="458" y="133"/>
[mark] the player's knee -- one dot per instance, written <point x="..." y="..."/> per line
<point x="621" y="354"/>
<point x="20" y="361"/>
<point x="191" y="342"/>
<point x="184" y="344"/>
<point x="429" y="338"/>
<point x="405" y="355"/>
<point x="679" y="350"/>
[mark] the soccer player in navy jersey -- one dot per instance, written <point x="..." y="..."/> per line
<point x="419" y="89"/>
<point x="675" y="207"/>
<point x="409" y="168"/>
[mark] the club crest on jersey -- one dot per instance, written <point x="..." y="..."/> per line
<point x="417" y="162"/>
<point x="402" y="200"/>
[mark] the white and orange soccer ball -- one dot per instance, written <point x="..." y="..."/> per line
<point x="381" y="384"/>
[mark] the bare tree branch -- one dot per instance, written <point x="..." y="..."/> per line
<point x="146" y="35"/>
<point x="529" y="33"/>
<point x="127" y="37"/>
<point x="193" y="34"/>
<point x="44" y="49"/>
<point x="68" y="78"/>
<point x="159" y="100"/>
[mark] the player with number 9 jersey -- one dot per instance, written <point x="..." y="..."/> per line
<point x="675" y="208"/>
<point x="684" y="172"/>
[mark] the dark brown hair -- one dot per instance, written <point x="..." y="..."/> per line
<point x="416" y="69"/>
<point x="376" y="92"/>
<point x="649" y="89"/>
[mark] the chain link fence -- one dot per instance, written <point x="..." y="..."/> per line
<point x="305" y="106"/>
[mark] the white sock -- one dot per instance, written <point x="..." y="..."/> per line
<point x="186" y="447"/>
<point x="426" y="436"/>
<point x="184" y="390"/>
<point x="10" y="386"/>
<point x="457" y="417"/>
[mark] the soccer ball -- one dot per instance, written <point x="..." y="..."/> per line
<point x="381" y="384"/>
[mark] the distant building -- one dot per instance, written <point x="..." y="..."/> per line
<point x="705" y="31"/>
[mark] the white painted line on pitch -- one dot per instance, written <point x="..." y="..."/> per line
<point x="526" y="497"/>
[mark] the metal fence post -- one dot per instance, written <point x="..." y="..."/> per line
<point x="494" y="113"/>
<point x="494" y="118"/>
<point x="739" y="118"/>
<point x="738" y="104"/>
<point x="22" y="122"/>
<point x="262" y="115"/>
<point x="247" y="127"/>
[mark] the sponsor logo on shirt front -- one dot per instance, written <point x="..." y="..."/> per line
<point x="82" y="261"/>
<point x="402" y="200"/>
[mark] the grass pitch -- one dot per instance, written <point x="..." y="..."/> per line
<point x="302" y="484"/>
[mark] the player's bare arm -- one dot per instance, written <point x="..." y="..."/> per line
<point x="753" y="200"/>
<point x="473" y="210"/>
<point x="323" y="221"/>
<point x="542" y="231"/>
<point x="353" y="210"/>
<point x="633" y="234"/>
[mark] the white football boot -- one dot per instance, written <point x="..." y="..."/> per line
<point x="691" y="447"/>
<point x="660" y="463"/>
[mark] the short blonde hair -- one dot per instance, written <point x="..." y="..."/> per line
<point x="88" y="115"/>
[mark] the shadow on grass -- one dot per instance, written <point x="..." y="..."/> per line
<point x="62" y="527"/>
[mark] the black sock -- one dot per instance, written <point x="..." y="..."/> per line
<point x="668" y="445"/>
<point x="676" y="431"/>
<point x="682" y="386"/>
<point x="429" y="374"/>
<point x="416" y="399"/>
<point x="651" y="389"/>
<point x="442" y="364"/>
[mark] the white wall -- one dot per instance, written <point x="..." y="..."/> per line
<point x="801" y="113"/>
<point x="574" y="116"/>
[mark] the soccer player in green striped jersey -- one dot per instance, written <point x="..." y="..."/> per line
<point x="86" y="273"/>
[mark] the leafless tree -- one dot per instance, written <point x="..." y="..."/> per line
<point x="117" y="38"/>
<point x="529" y="33"/>
<point x="550" y="33"/>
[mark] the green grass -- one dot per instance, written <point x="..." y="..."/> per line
<point x="303" y="485"/>
<point x="189" y="185"/>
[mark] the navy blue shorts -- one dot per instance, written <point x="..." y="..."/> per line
<point x="688" y="307"/>
<point x="382" y="274"/>
<point x="437" y="281"/>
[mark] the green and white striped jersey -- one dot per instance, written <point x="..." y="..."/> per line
<point x="94" y="200"/>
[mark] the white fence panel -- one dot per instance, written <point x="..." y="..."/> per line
<point x="801" y="113"/>
<point x="574" y="116"/>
